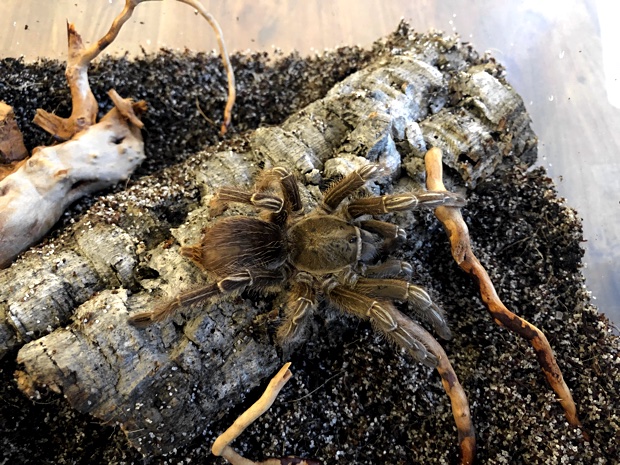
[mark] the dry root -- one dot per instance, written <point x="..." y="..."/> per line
<point x="84" y="112"/>
<point x="232" y="93"/>
<point x="221" y="446"/>
<point x="458" y="399"/>
<point x="462" y="252"/>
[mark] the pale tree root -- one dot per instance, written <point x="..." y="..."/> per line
<point x="232" y="93"/>
<point x="221" y="446"/>
<point x="462" y="252"/>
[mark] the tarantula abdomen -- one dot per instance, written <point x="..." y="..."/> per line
<point x="239" y="243"/>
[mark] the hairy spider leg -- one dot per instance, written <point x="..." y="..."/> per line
<point x="389" y="231"/>
<point x="234" y="283"/>
<point x="403" y="202"/>
<point x="393" y="236"/>
<point x="422" y="346"/>
<point x="391" y="268"/>
<point x="348" y="185"/>
<point x="416" y="296"/>
<point x="381" y="314"/>
<point x="287" y="183"/>
<point x="263" y="195"/>
<point x="404" y="291"/>
<point x="300" y="304"/>
<point x="226" y="195"/>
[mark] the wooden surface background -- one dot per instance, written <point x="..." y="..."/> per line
<point x="562" y="57"/>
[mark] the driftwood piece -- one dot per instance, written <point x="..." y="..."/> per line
<point x="164" y="385"/>
<point x="39" y="191"/>
<point x="35" y="193"/>
<point x="95" y="156"/>
<point x="12" y="147"/>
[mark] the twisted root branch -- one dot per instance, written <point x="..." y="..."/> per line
<point x="84" y="112"/>
<point x="232" y="94"/>
<point x="462" y="252"/>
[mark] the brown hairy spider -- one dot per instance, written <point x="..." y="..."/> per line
<point x="328" y="254"/>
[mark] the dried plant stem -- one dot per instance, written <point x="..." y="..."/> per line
<point x="94" y="50"/>
<point x="232" y="93"/>
<point x="221" y="446"/>
<point x="462" y="252"/>
<point x="84" y="112"/>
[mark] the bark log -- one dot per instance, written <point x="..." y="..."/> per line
<point x="166" y="384"/>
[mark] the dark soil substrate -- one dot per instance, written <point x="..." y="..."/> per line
<point x="356" y="400"/>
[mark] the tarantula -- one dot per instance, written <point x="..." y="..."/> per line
<point x="328" y="254"/>
<point x="324" y="253"/>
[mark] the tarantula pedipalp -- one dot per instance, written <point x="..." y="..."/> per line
<point x="328" y="254"/>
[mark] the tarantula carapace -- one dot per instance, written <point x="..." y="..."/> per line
<point x="327" y="253"/>
<point x="332" y="254"/>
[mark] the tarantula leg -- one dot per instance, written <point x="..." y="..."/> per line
<point x="380" y="314"/>
<point x="384" y="229"/>
<point x="415" y="295"/>
<point x="168" y="308"/>
<point x="392" y="235"/>
<point x="349" y="184"/>
<point x="389" y="269"/>
<point x="226" y="195"/>
<point x="403" y="202"/>
<point x="231" y="284"/>
<point x="422" y="346"/>
<point x="287" y="183"/>
<point x="301" y="302"/>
